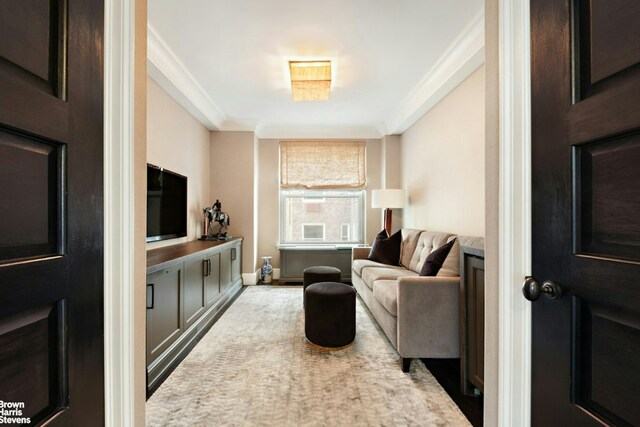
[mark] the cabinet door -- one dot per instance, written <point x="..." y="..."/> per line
<point x="475" y="319"/>
<point x="225" y="269"/>
<point x="235" y="263"/>
<point x="164" y="310"/>
<point x="212" y="279"/>
<point x="194" y="299"/>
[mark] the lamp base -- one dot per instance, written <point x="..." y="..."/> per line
<point x="387" y="221"/>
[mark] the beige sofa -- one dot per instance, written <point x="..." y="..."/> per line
<point x="419" y="315"/>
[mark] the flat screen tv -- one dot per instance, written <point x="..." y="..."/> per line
<point x="166" y="204"/>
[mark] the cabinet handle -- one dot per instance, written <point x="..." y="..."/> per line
<point x="206" y="265"/>
<point x="153" y="296"/>
<point x="233" y="254"/>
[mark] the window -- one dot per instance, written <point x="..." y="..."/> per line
<point x="345" y="232"/>
<point x="313" y="232"/>
<point x="322" y="192"/>
<point x="340" y="220"/>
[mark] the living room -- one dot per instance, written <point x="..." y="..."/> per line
<point x="433" y="151"/>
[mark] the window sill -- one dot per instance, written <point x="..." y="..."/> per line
<point x="316" y="247"/>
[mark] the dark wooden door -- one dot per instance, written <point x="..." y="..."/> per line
<point x="51" y="179"/>
<point x="586" y="211"/>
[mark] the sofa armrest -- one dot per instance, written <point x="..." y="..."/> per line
<point x="360" y="252"/>
<point x="428" y="317"/>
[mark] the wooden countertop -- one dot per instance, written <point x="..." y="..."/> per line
<point x="173" y="252"/>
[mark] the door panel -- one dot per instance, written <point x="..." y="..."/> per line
<point x="34" y="68"/>
<point x="35" y="52"/>
<point x="586" y="210"/>
<point x="225" y="269"/>
<point x="51" y="211"/>
<point x="194" y="299"/>
<point x="602" y="365"/>
<point x="31" y="212"/>
<point x="165" y="317"/>
<point x="610" y="39"/>
<point x="605" y="205"/>
<point x="605" y="58"/>
<point x="212" y="280"/>
<point x="28" y="339"/>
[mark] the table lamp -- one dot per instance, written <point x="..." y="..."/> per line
<point x="388" y="199"/>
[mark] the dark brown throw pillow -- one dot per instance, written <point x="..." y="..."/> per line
<point x="386" y="249"/>
<point x="434" y="261"/>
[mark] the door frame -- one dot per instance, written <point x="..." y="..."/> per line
<point x="124" y="397"/>
<point x="124" y="371"/>
<point x="514" y="375"/>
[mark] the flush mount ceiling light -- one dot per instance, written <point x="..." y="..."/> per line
<point x="310" y="80"/>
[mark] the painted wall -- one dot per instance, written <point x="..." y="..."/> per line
<point x="391" y="160"/>
<point x="492" y="163"/>
<point x="443" y="166"/>
<point x="268" y="200"/>
<point x="140" y="213"/>
<point x="232" y="177"/>
<point x="178" y="142"/>
<point x="375" y="163"/>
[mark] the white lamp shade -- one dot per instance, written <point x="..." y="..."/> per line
<point x="387" y="198"/>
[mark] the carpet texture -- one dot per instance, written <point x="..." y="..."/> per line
<point x="255" y="368"/>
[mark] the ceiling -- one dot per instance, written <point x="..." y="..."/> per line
<point x="227" y="61"/>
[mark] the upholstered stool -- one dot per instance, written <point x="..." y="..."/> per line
<point x="330" y="314"/>
<point x="319" y="273"/>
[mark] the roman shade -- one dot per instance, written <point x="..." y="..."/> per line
<point x="322" y="164"/>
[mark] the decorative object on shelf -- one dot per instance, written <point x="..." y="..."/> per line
<point x="212" y="215"/>
<point x="266" y="272"/>
<point x="388" y="199"/>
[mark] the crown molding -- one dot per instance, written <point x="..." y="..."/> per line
<point x="166" y="69"/>
<point x="243" y="125"/>
<point x="319" y="132"/>
<point x="462" y="58"/>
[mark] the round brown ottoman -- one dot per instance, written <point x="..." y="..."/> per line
<point x="316" y="274"/>
<point x="330" y="314"/>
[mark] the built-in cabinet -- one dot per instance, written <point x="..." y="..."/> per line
<point x="188" y="285"/>
<point x="472" y="320"/>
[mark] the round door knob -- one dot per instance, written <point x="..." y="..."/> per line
<point x="532" y="290"/>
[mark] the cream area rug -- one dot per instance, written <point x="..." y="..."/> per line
<point x="255" y="368"/>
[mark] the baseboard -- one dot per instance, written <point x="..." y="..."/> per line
<point x="250" y="278"/>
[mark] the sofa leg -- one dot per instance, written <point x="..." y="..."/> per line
<point x="406" y="363"/>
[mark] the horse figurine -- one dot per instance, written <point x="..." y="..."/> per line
<point x="215" y="214"/>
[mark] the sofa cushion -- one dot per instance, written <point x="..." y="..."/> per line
<point x="410" y="238"/>
<point x="451" y="266"/>
<point x="386" y="249"/>
<point x="429" y="240"/>
<point x="359" y="264"/>
<point x="436" y="258"/>
<point x="386" y="292"/>
<point x="371" y="274"/>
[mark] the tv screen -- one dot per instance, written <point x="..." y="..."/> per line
<point x="166" y="204"/>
